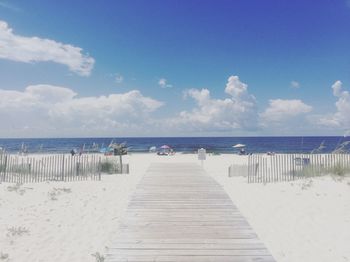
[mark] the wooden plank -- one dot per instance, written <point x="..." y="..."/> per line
<point x="189" y="241"/>
<point x="260" y="258"/>
<point x="179" y="213"/>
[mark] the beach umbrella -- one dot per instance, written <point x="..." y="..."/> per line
<point x="165" y="147"/>
<point x="238" y="146"/>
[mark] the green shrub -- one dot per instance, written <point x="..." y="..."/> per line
<point x="339" y="170"/>
<point x="107" y="167"/>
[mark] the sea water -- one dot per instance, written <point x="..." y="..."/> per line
<point x="179" y="144"/>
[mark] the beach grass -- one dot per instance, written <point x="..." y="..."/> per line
<point x="338" y="170"/>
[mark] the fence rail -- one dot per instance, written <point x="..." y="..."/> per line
<point x="286" y="167"/>
<point x="19" y="169"/>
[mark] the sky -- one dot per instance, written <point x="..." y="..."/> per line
<point x="174" y="68"/>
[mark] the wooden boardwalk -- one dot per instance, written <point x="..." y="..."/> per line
<point x="179" y="213"/>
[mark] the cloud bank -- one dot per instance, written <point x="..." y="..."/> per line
<point x="341" y="118"/>
<point x="47" y="110"/>
<point x="284" y="109"/>
<point x="236" y="112"/>
<point x="55" y="111"/>
<point x="34" y="49"/>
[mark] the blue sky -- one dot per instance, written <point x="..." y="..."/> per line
<point x="286" y="56"/>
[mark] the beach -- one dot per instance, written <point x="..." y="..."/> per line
<point x="304" y="220"/>
<point x="174" y="131"/>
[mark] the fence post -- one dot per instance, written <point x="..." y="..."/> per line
<point x="5" y="168"/>
<point x="99" y="168"/>
<point x="293" y="163"/>
<point x="77" y="168"/>
<point x="62" y="175"/>
<point x="248" y="168"/>
<point x="257" y="169"/>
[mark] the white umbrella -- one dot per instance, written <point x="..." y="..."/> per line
<point x="238" y="146"/>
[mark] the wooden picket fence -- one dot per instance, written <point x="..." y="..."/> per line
<point x="26" y="169"/>
<point x="287" y="167"/>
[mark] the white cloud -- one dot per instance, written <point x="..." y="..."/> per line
<point x="49" y="111"/>
<point x="163" y="83"/>
<point x="118" y="78"/>
<point x="35" y="49"/>
<point x="283" y="110"/>
<point x="235" y="87"/>
<point x="337" y="88"/>
<point x="46" y="110"/>
<point x="238" y="112"/>
<point x="294" y="84"/>
<point x="34" y="96"/>
<point x="341" y="118"/>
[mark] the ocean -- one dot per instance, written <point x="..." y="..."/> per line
<point x="179" y="144"/>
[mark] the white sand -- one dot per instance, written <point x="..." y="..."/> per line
<point x="63" y="226"/>
<point x="305" y="220"/>
<point x="297" y="221"/>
